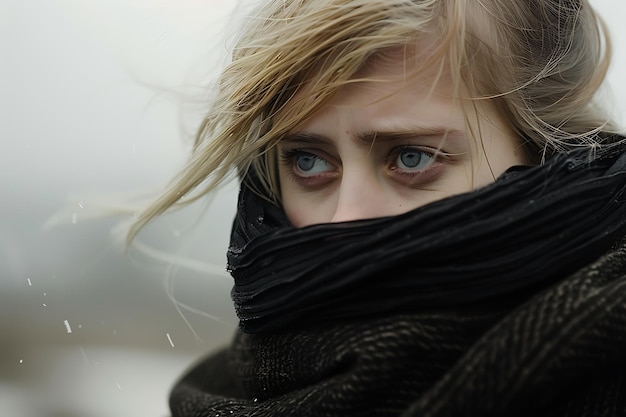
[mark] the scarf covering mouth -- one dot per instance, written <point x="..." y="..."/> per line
<point x="502" y="242"/>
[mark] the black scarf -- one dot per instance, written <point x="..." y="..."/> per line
<point x="431" y="313"/>
<point x="498" y="244"/>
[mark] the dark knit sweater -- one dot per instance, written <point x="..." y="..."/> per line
<point x="562" y="353"/>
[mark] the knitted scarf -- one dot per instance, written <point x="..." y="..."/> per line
<point x="508" y="300"/>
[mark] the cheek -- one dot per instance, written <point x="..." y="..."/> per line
<point x="302" y="212"/>
<point x="294" y="213"/>
<point x="499" y="150"/>
<point x="304" y="208"/>
<point x="505" y="152"/>
<point x="298" y="209"/>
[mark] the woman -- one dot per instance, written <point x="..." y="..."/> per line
<point x="431" y="215"/>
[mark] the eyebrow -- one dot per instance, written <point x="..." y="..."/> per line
<point x="371" y="136"/>
<point x="385" y="136"/>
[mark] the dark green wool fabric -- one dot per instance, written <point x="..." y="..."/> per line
<point x="561" y="353"/>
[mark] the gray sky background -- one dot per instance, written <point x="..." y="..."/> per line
<point x="100" y="98"/>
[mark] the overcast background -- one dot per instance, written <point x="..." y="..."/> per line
<point x="99" y="100"/>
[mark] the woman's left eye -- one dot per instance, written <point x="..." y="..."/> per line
<point x="410" y="159"/>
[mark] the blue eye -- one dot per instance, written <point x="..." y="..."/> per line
<point x="310" y="164"/>
<point x="413" y="159"/>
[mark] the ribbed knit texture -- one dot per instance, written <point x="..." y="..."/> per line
<point x="501" y="243"/>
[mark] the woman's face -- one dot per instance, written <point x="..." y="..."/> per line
<point x="381" y="149"/>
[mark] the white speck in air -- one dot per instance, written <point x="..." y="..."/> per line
<point x="134" y="148"/>
<point x="162" y="37"/>
<point x="45" y="305"/>
<point x="21" y="360"/>
<point x="74" y="218"/>
<point x="80" y="326"/>
<point x="84" y="355"/>
<point x="30" y="284"/>
<point x="80" y="204"/>
<point x="44" y="294"/>
<point x="67" y="326"/>
<point x="119" y="386"/>
<point x="169" y="338"/>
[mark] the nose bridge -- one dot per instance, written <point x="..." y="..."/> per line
<point x="360" y="195"/>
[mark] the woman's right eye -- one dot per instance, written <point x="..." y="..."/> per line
<point x="305" y="164"/>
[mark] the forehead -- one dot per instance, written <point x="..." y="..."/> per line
<point x="388" y="81"/>
<point x="406" y="68"/>
<point x="388" y="104"/>
<point x="398" y="71"/>
<point x="412" y="57"/>
<point x="391" y="80"/>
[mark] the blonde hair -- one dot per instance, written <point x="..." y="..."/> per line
<point x="540" y="62"/>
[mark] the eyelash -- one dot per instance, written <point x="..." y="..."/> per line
<point x="395" y="153"/>
<point x="288" y="159"/>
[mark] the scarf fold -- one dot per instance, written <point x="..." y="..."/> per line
<point x="495" y="246"/>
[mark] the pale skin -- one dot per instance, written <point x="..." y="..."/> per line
<point x="382" y="149"/>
